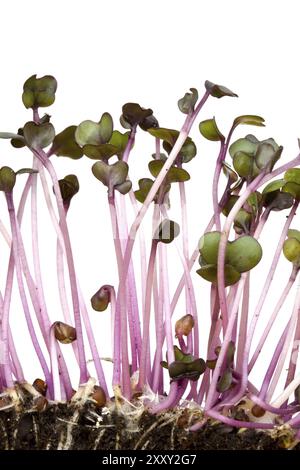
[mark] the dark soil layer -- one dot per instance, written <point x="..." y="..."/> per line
<point x="66" y="427"/>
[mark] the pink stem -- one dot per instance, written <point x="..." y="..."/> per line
<point x="70" y="261"/>
<point x="272" y="319"/>
<point x="15" y="251"/>
<point x="144" y="373"/>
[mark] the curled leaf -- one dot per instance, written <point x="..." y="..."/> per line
<point x="210" y="130"/>
<point x="229" y="173"/>
<point x="187" y="103"/>
<point x="218" y="91"/>
<point x="249" y="120"/>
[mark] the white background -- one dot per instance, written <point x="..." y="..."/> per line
<point x="106" y="53"/>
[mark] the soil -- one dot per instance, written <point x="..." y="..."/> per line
<point x="88" y="427"/>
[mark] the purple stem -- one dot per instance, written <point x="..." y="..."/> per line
<point x="57" y="392"/>
<point x="120" y="339"/>
<point x="216" y="179"/>
<point x="18" y="371"/>
<point x="227" y="338"/>
<point x="243" y="325"/>
<point x="168" y="401"/>
<point x="129" y="145"/>
<point x="73" y="281"/>
<point x="144" y="373"/>
<point x="236" y="423"/>
<point x="273" y="363"/>
<point x="285" y="348"/>
<point x="133" y="308"/>
<point x="272" y="319"/>
<point x="253" y="186"/>
<point x="16" y="256"/>
<point x="172" y="396"/>
<point x="157" y="370"/>
<point x="151" y="195"/>
<point x="293" y="355"/>
<point x="263" y="296"/>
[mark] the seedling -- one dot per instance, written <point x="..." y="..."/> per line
<point x="229" y="250"/>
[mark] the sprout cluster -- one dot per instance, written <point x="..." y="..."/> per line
<point x="229" y="249"/>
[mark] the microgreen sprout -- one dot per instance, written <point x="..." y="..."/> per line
<point x="219" y="379"/>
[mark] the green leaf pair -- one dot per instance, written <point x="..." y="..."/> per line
<point x="250" y="156"/>
<point x="169" y="137"/>
<point x="39" y="92"/>
<point x="242" y="255"/>
<point x="134" y="115"/>
<point x="185" y="366"/>
<point x="113" y="176"/>
<point x="38" y="135"/>
<point x="98" y="140"/>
